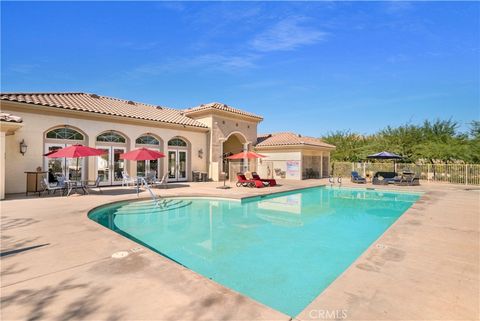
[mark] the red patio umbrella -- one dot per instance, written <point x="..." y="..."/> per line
<point x="75" y="151"/>
<point x="142" y="154"/>
<point x="243" y="155"/>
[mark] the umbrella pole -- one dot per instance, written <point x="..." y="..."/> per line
<point x="77" y="168"/>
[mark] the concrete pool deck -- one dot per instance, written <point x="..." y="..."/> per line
<point x="57" y="264"/>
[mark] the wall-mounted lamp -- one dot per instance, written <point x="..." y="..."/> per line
<point x="200" y="153"/>
<point x="23" y="147"/>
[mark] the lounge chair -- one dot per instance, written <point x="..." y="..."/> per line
<point x="385" y="178"/>
<point x="243" y="181"/>
<point x="271" y="182"/>
<point x="408" y="180"/>
<point x="127" y="179"/>
<point x="96" y="184"/>
<point x="161" y="183"/>
<point x="356" y="178"/>
<point x="47" y="187"/>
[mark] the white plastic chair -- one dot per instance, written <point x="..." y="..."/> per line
<point x="163" y="182"/>
<point x="151" y="177"/>
<point x="127" y="179"/>
<point x="96" y="185"/>
<point x="49" y="188"/>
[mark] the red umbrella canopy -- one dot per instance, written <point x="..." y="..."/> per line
<point x="243" y="155"/>
<point x="142" y="154"/>
<point x="75" y="151"/>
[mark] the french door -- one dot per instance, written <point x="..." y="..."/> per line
<point x="110" y="166"/>
<point x="177" y="165"/>
<point x="144" y="167"/>
<point x="66" y="167"/>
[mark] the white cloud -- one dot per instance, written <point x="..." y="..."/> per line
<point x="23" y="68"/>
<point x="397" y="6"/>
<point x="170" y="5"/>
<point x="205" y="62"/>
<point x="288" y="34"/>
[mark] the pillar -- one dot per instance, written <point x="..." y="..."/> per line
<point x="321" y="165"/>
<point x="245" y="160"/>
<point x="91" y="161"/>
<point x="217" y="161"/>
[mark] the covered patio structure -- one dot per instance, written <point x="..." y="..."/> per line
<point x="293" y="156"/>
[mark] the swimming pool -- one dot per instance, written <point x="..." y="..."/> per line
<point x="282" y="250"/>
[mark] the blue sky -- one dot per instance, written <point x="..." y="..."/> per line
<point x="306" y="67"/>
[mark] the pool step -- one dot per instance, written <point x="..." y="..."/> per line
<point x="151" y="208"/>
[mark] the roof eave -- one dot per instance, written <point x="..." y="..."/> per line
<point x="210" y="110"/>
<point x="98" y="114"/>
<point x="304" y="146"/>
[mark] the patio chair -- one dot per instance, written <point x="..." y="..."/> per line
<point x="271" y="182"/>
<point x="161" y="183"/>
<point x="96" y="184"/>
<point x="127" y="179"/>
<point x="408" y="180"/>
<point x="243" y="181"/>
<point x="61" y="181"/>
<point x="47" y="187"/>
<point x="356" y="178"/>
<point x="151" y="177"/>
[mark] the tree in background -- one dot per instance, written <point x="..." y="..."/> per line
<point x="432" y="142"/>
<point x="474" y="146"/>
<point x="350" y="147"/>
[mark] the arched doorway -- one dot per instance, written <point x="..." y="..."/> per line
<point x="235" y="143"/>
<point x="144" y="167"/>
<point x="178" y="159"/>
<point x="109" y="165"/>
<point x="58" y="138"/>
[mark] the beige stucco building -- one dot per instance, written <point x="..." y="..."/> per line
<point x="195" y="139"/>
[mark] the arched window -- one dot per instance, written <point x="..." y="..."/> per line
<point x="111" y="137"/>
<point x="177" y="142"/>
<point x="64" y="133"/>
<point x="63" y="168"/>
<point x="147" y="140"/>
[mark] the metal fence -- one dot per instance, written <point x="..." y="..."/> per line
<point x="468" y="174"/>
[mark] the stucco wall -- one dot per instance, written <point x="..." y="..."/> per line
<point x="275" y="165"/>
<point x="35" y="125"/>
<point x="221" y="128"/>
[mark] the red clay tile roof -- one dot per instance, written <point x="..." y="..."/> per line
<point x="222" y="107"/>
<point x="10" y="118"/>
<point x="104" y="105"/>
<point x="289" y="139"/>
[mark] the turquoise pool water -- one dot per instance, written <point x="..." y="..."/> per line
<point x="281" y="250"/>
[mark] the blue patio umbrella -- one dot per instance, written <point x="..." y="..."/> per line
<point x="386" y="155"/>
